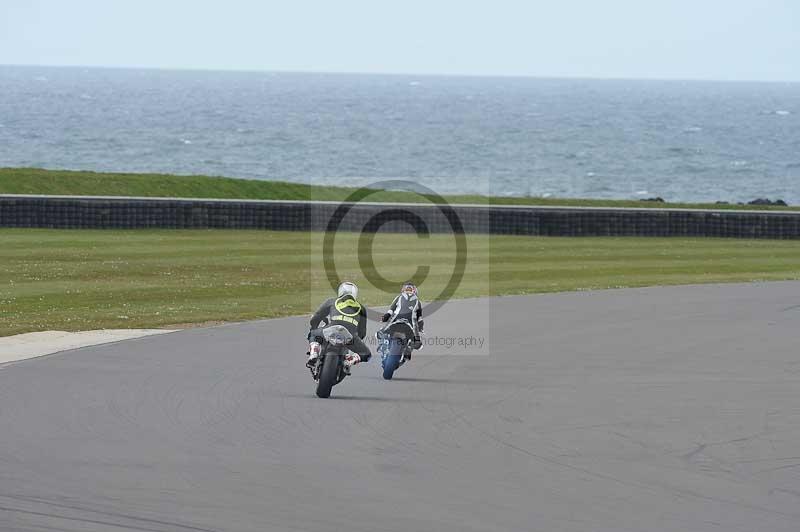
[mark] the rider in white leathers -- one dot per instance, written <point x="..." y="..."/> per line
<point x="407" y="306"/>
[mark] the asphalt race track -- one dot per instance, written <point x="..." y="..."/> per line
<point x="644" y="409"/>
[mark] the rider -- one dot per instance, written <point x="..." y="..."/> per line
<point x="407" y="306"/>
<point x="344" y="310"/>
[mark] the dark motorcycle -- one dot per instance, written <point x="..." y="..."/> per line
<point x="329" y="369"/>
<point x="394" y="343"/>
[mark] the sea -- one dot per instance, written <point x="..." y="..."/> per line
<point x="687" y="141"/>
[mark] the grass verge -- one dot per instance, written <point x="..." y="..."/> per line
<point x="84" y="279"/>
<point x="62" y="182"/>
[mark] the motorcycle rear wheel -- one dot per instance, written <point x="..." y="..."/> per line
<point x="327" y="378"/>
<point x="392" y="360"/>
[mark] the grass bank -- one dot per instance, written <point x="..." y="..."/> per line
<point x="79" y="280"/>
<point x="60" y="182"/>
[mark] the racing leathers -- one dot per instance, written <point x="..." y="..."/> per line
<point x="350" y="314"/>
<point x="408" y="308"/>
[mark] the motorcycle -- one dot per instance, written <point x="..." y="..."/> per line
<point x="394" y="342"/>
<point x="329" y="369"/>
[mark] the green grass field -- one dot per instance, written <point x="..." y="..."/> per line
<point x="83" y="279"/>
<point x="59" y="182"/>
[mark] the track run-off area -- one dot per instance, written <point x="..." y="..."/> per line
<point x="674" y="408"/>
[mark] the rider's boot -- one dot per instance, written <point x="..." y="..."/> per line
<point x="407" y="355"/>
<point x="314" y="349"/>
<point x="350" y="360"/>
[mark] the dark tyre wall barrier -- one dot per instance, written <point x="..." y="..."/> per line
<point x="136" y="213"/>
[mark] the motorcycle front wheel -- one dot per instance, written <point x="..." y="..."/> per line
<point x="327" y="378"/>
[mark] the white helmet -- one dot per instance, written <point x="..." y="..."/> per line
<point x="348" y="288"/>
<point x="409" y="290"/>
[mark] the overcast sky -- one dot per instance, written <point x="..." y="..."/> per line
<point x="684" y="39"/>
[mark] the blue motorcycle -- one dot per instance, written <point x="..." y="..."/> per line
<point x="394" y="345"/>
